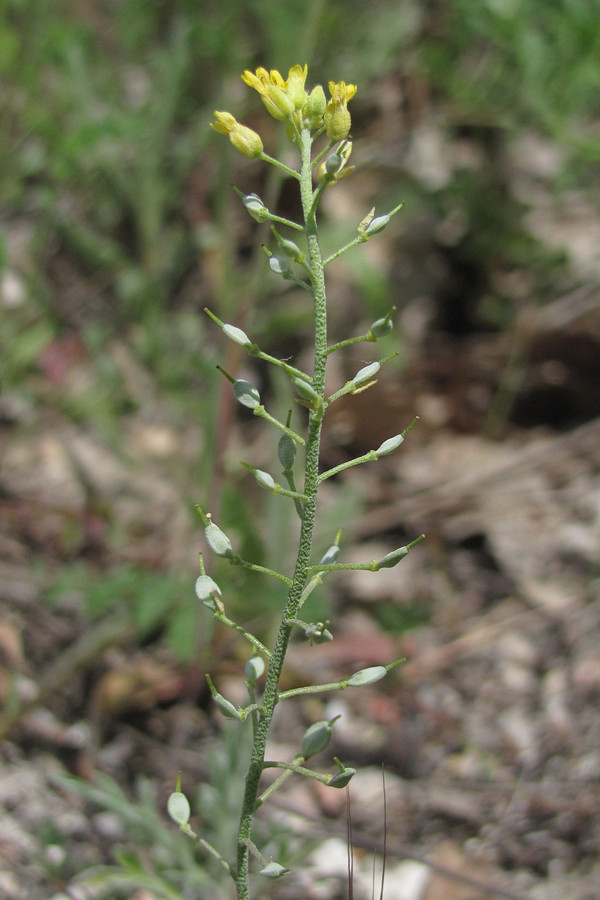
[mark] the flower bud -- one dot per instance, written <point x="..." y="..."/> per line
<point x="218" y="542"/>
<point x="367" y="676"/>
<point x="336" y="117"/>
<point x="315" y="107"/>
<point x="255" y="668"/>
<point x="390" y="445"/>
<point x="318" y="633"/>
<point x="246" y="394"/>
<point x="246" y="141"/>
<point x="286" y="451"/>
<point x="178" y="808"/>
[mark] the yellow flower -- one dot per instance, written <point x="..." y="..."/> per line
<point x="280" y="97"/>
<point x="243" y="139"/>
<point x="337" y="118"/>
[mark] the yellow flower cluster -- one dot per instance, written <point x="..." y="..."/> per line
<point x="288" y="101"/>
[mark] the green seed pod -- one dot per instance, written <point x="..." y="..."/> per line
<point x="342" y="778"/>
<point x="330" y="556"/>
<point x="316" y="737"/>
<point x="206" y="590"/>
<point x="306" y="390"/>
<point x="273" y="870"/>
<point x="264" y="479"/>
<point x="255" y="668"/>
<point x="246" y="394"/>
<point x="178" y="808"/>
<point x="367" y="676"/>
<point x="366" y="373"/>
<point x="280" y="265"/>
<point x="218" y="542"/>
<point x="390" y="445"/>
<point x="393" y="558"/>
<point x="381" y="327"/>
<point x="286" y="451"/>
<point x="237" y="335"/>
<point x="256" y="207"/>
<point x="227" y="708"/>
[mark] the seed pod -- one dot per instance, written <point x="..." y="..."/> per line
<point x="330" y="556"/>
<point x="366" y="373"/>
<point x="390" y="445"/>
<point x="236" y="334"/>
<point x="367" y="676"/>
<point x="280" y="265"/>
<point x="286" y="451"/>
<point x="178" y="808"/>
<point x="306" y="390"/>
<point x="246" y="394"/>
<point x="341" y="778"/>
<point x="273" y="870"/>
<point x="254" y="668"/>
<point x="207" y="590"/>
<point x="316" y="737"/>
<point x="393" y="558"/>
<point x="264" y="479"/>
<point x="256" y="207"/>
<point x="218" y="542"/>
<point x="381" y="327"/>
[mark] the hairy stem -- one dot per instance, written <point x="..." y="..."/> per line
<point x="311" y="484"/>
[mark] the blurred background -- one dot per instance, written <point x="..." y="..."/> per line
<point x="119" y="225"/>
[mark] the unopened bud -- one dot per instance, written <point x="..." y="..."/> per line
<point x="318" y="633"/>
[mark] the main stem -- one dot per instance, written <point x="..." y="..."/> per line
<point x="311" y="483"/>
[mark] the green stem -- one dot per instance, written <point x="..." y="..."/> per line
<point x="311" y="484"/>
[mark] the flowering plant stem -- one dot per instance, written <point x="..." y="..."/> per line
<point x="311" y="484"/>
<point x="306" y="117"/>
